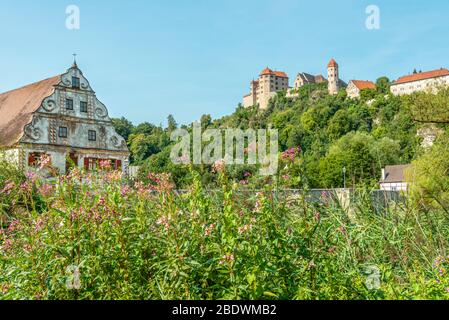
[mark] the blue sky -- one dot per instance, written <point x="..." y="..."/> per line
<point x="147" y="59"/>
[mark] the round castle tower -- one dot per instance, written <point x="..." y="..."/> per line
<point x="333" y="77"/>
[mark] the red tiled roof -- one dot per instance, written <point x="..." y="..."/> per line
<point x="423" y="76"/>
<point x="17" y="108"/>
<point x="332" y="64"/>
<point x="280" y="74"/>
<point x="363" y="84"/>
<point x="268" y="71"/>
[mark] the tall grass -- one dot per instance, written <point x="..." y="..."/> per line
<point x="92" y="236"/>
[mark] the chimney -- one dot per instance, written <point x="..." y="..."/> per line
<point x="383" y="174"/>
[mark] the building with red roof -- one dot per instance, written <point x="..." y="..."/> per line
<point x="356" y="86"/>
<point x="420" y="81"/>
<point x="265" y="87"/>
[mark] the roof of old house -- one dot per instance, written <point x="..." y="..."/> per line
<point x="17" y="108"/>
<point x="423" y="76"/>
<point x="319" y="78"/>
<point x="332" y="64"/>
<point x="364" y="84"/>
<point x="395" y="173"/>
<point x="268" y="71"/>
<point x="306" y="77"/>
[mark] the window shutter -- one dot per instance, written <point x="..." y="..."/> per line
<point x="31" y="159"/>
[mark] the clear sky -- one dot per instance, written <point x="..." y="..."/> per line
<point x="147" y="59"/>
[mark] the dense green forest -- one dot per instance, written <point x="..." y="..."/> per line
<point x="333" y="132"/>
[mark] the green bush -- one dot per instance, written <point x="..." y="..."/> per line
<point x="429" y="176"/>
<point x="105" y="239"/>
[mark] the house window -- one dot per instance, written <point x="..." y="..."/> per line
<point x="83" y="106"/>
<point x="69" y="104"/>
<point x="92" y="135"/>
<point x="91" y="164"/>
<point x="62" y="132"/>
<point x="33" y="159"/>
<point x="75" y="82"/>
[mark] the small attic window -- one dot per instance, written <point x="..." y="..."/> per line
<point x="75" y="82"/>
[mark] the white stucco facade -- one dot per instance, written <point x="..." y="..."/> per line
<point x="265" y="87"/>
<point x="428" y="84"/>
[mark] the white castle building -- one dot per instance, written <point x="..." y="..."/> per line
<point x="420" y="81"/>
<point x="265" y="87"/>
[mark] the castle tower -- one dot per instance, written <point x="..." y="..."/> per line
<point x="333" y="77"/>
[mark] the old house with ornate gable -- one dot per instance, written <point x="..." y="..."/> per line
<point x="62" y="118"/>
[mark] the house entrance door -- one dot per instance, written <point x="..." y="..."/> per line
<point x="72" y="161"/>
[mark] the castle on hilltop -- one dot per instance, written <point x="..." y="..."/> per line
<point x="265" y="87"/>
<point x="270" y="82"/>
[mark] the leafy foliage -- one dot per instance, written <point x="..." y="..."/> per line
<point x="109" y="240"/>
<point x="322" y="125"/>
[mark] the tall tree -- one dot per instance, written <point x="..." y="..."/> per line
<point x="123" y="127"/>
<point x="172" y="125"/>
<point x="383" y="85"/>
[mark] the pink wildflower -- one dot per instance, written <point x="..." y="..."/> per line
<point x="7" y="244"/>
<point x="9" y="186"/>
<point x="218" y="166"/>
<point x="209" y="230"/>
<point x="291" y="153"/>
<point x="31" y="176"/>
<point x="125" y="190"/>
<point x="13" y="226"/>
<point x="105" y="164"/>
<point x="245" y="228"/>
<point x="164" y="221"/>
<point x="259" y="202"/>
<point x="44" y="161"/>
<point x="102" y="201"/>
<point x="25" y="186"/>
<point x="46" y="190"/>
<point x="227" y="258"/>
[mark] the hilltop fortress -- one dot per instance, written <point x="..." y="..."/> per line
<point x="270" y="82"/>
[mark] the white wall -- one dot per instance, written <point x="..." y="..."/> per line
<point x="397" y="186"/>
<point x="421" y="85"/>
<point x="11" y="155"/>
